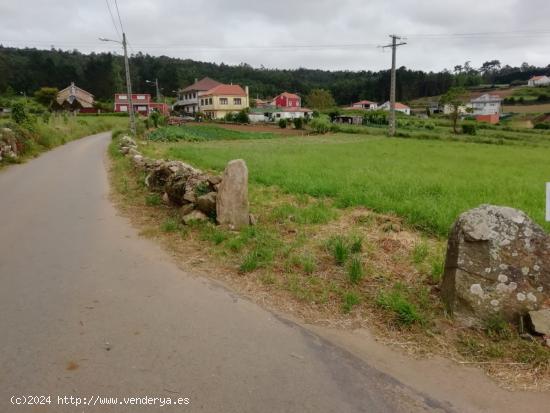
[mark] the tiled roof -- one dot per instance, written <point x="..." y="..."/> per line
<point x="538" y="77"/>
<point x="290" y="95"/>
<point x="229" y="90"/>
<point x="365" y="102"/>
<point x="203" y="84"/>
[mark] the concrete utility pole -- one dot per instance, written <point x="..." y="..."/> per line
<point x="156" y="83"/>
<point x="128" y="81"/>
<point x="394" y="46"/>
<point x="129" y="86"/>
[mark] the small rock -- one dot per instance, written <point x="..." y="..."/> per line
<point x="194" y="216"/>
<point x="207" y="203"/>
<point x="186" y="209"/>
<point x="165" y="198"/>
<point x="214" y="179"/>
<point x="540" y="321"/>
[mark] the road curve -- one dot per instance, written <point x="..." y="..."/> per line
<point x="88" y="308"/>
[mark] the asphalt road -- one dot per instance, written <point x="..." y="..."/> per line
<point x="88" y="308"/>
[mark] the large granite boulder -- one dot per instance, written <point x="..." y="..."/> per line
<point x="498" y="262"/>
<point x="232" y="198"/>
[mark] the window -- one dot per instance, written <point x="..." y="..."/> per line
<point x="140" y="97"/>
<point x="202" y="102"/>
<point x="236" y="101"/>
<point x="210" y="101"/>
<point x="123" y="97"/>
<point x="223" y="101"/>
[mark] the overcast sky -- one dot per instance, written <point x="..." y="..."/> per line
<point x="279" y="33"/>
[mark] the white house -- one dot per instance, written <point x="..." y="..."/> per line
<point x="486" y="104"/>
<point x="399" y="107"/>
<point x="539" y="81"/>
<point x="271" y="114"/>
<point x="365" y="105"/>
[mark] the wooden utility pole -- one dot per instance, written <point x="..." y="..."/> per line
<point x="393" y="46"/>
<point x="129" y="86"/>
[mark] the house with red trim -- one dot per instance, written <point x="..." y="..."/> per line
<point x="141" y="102"/>
<point x="188" y="101"/>
<point x="287" y="100"/>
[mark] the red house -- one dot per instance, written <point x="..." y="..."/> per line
<point x="141" y="102"/>
<point x="287" y="100"/>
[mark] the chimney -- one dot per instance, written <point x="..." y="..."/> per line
<point x="196" y="80"/>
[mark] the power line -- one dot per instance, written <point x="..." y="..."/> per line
<point x="113" y="19"/>
<point x="119" y="19"/>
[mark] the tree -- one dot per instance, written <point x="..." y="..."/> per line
<point x="46" y="96"/>
<point x="320" y="99"/>
<point x="455" y="98"/>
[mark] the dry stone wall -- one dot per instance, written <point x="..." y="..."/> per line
<point x="199" y="196"/>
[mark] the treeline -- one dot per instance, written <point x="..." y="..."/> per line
<point x="26" y="70"/>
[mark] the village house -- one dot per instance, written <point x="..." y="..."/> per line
<point x="75" y="99"/>
<point x="399" y="107"/>
<point x="142" y="104"/>
<point x="223" y="99"/>
<point x="273" y="114"/>
<point x="287" y="100"/>
<point x="364" y="105"/>
<point x="487" y="108"/>
<point x="539" y="81"/>
<point x="188" y="98"/>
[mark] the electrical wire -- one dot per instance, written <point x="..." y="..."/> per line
<point x="113" y="19"/>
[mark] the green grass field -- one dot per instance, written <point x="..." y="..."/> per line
<point x="428" y="182"/>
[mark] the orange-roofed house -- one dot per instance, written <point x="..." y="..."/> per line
<point x="223" y="99"/>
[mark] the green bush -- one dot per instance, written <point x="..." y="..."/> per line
<point x="320" y="125"/>
<point x="542" y="125"/>
<point x="406" y="313"/>
<point x="469" y="129"/>
<point x="282" y="123"/>
<point x="298" y="123"/>
<point x="241" y="117"/>
<point x="19" y="113"/>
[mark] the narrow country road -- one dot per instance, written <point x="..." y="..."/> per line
<point x="88" y="308"/>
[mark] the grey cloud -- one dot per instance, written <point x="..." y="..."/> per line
<point x="177" y="27"/>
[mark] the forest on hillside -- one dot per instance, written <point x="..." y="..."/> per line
<point x="26" y="70"/>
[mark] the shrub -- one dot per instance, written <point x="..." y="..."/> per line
<point x="298" y="123"/>
<point x="241" y="117"/>
<point x="542" y="125"/>
<point x="19" y="113"/>
<point x="229" y="117"/>
<point x="320" y="125"/>
<point x="155" y="117"/>
<point x="282" y="123"/>
<point x="469" y="129"/>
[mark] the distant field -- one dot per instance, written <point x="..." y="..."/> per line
<point x="427" y="182"/>
<point x="543" y="108"/>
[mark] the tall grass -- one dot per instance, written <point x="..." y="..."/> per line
<point x="428" y="182"/>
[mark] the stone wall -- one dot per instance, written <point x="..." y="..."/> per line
<point x="199" y="196"/>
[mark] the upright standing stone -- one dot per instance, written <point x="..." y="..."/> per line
<point x="232" y="198"/>
<point x="498" y="262"/>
